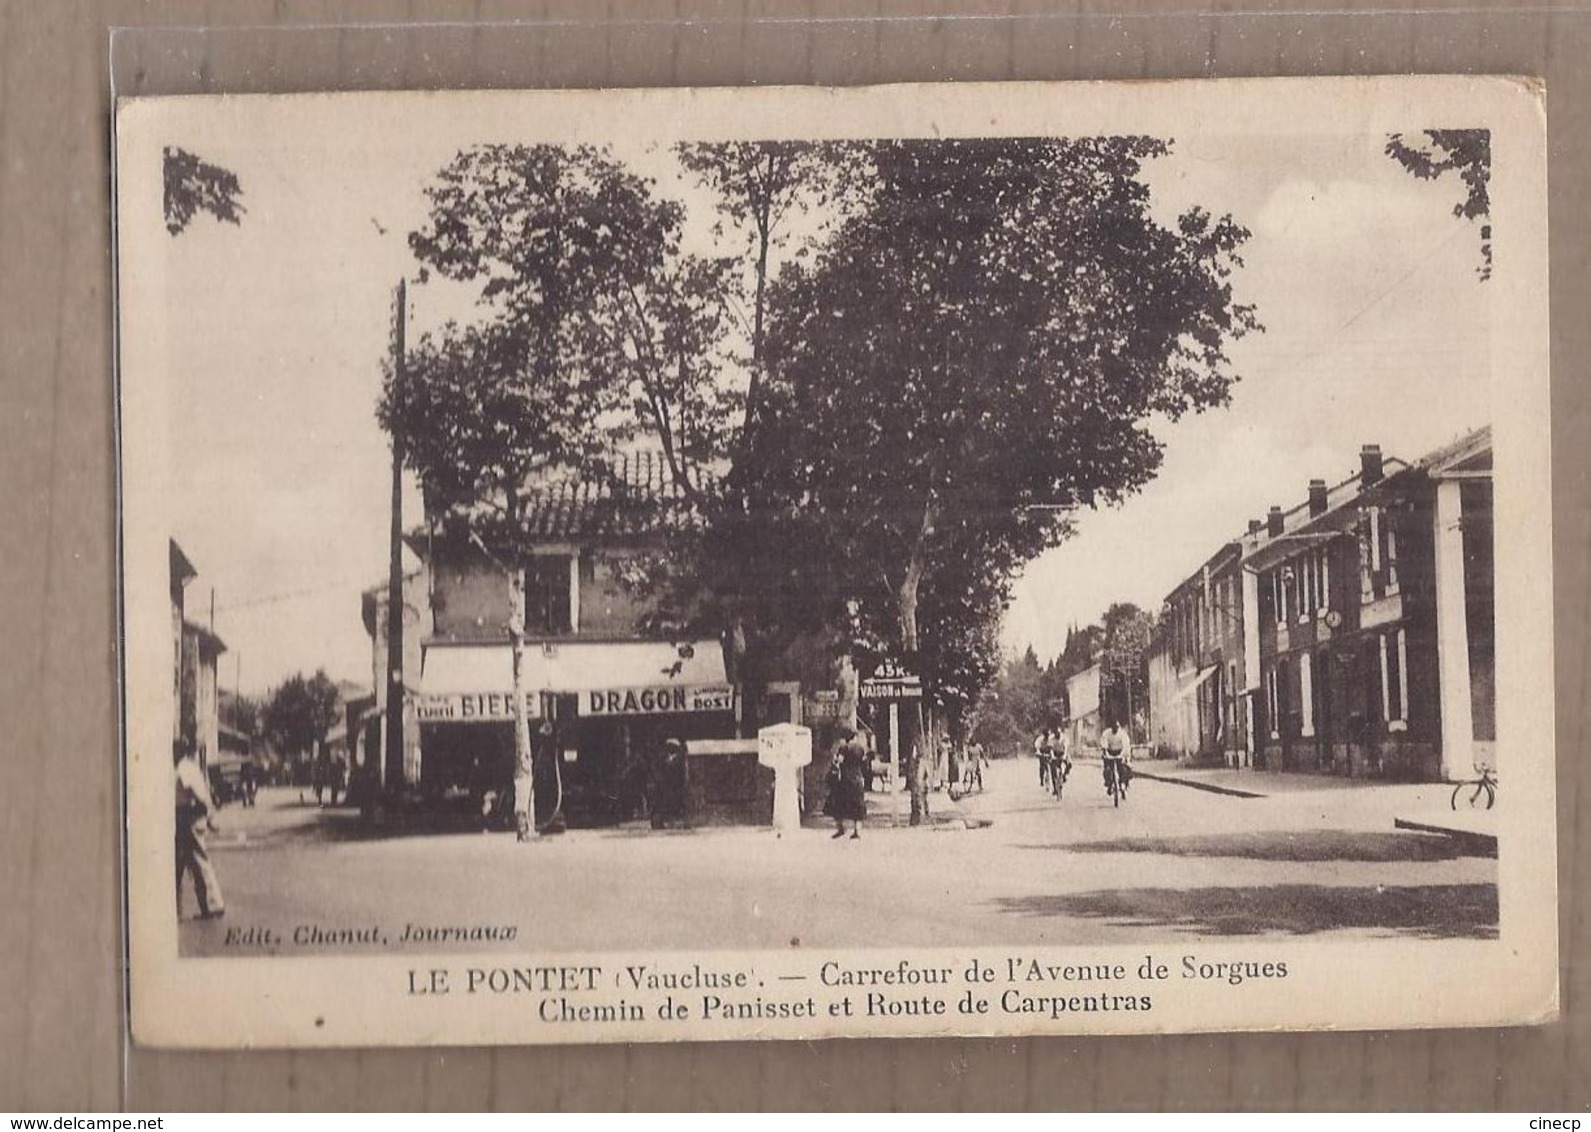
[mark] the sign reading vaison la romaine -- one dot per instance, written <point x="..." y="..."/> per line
<point x="657" y="701"/>
<point x="891" y="680"/>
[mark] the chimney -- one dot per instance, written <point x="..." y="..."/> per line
<point x="1273" y="522"/>
<point x="1255" y="526"/>
<point x="1317" y="497"/>
<point x="1369" y="465"/>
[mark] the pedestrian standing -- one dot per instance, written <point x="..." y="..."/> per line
<point x="975" y="762"/>
<point x="1040" y="752"/>
<point x="337" y="777"/>
<point x="847" y="800"/>
<point x="666" y="798"/>
<point x="195" y="814"/>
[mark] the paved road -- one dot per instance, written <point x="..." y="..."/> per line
<point x="1173" y="863"/>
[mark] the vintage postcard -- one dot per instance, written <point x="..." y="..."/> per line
<point x="784" y="563"/>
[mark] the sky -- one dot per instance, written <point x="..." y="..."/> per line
<point x="1376" y="331"/>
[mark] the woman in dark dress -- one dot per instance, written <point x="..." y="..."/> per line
<point x="847" y="801"/>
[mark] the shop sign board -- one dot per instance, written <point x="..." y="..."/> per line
<point x="823" y="709"/>
<point x="891" y="682"/>
<point x="657" y="701"/>
<point x="474" y="707"/>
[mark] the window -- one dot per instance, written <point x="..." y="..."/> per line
<point x="549" y="595"/>
<point x="1395" y="679"/>
<point x="1378" y="554"/>
<point x="1231" y="699"/>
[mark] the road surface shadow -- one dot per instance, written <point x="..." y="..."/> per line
<point x="1449" y="911"/>
<point x="1293" y="845"/>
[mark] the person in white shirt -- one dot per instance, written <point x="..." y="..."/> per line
<point x="1060" y="761"/>
<point x="195" y="816"/>
<point x="1114" y="746"/>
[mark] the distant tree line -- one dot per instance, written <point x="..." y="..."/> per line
<point x="1028" y="696"/>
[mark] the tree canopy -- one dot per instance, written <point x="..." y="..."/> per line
<point x="977" y="354"/>
<point x="596" y="323"/>
<point x="966" y="348"/>
<point x="301" y="712"/>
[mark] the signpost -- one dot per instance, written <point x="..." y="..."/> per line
<point x="892" y="682"/>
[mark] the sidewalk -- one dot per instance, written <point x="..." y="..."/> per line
<point x="1248" y="783"/>
<point x="1421" y="807"/>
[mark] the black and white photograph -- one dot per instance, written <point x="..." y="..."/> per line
<point x="784" y="563"/>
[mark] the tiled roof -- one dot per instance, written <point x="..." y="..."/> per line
<point x="634" y="493"/>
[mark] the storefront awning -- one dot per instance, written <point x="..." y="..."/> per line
<point x="1193" y="685"/>
<point x="474" y="683"/>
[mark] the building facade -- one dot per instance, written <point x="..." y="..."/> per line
<point x="1199" y="666"/>
<point x="612" y="683"/>
<point x="196" y="653"/>
<point x="1374" y="620"/>
<point x="1083" y="702"/>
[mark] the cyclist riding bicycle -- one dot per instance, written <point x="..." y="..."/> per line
<point x="1114" y="746"/>
<point x="1060" y="762"/>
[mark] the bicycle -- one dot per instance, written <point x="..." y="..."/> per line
<point x="1116" y="778"/>
<point x="1060" y="771"/>
<point x="1485" y="784"/>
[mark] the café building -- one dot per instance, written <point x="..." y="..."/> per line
<point x="612" y="686"/>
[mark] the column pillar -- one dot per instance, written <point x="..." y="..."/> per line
<point x="1452" y="635"/>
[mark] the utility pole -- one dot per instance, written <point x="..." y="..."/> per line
<point x="392" y="762"/>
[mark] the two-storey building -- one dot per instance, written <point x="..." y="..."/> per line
<point x="1374" y="617"/>
<point x="1200" y="666"/>
<point x="614" y="684"/>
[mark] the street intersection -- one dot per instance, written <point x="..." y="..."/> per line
<point x="1011" y="866"/>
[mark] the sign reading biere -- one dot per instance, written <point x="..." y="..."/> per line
<point x="474" y="707"/>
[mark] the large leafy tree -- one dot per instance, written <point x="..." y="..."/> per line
<point x="977" y="353"/>
<point x="764" y="189"/>
<point x="1124" y="660"/>
<point x="593" y="316"/>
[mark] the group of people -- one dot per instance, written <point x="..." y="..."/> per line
<point x="965" y="765"/>
<point x="1052" y="749"/>
<point x="328" y="775"/>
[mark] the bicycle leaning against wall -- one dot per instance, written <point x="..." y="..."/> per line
<point x="1472" y="790"/>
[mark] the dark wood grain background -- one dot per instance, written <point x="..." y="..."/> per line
<point x="63" y="1042"/>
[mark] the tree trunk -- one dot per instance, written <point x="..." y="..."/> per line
<point x="913" y="730"/>
<point x="524" y="782"/>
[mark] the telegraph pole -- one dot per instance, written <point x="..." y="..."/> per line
<point x="392" y="763"/>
